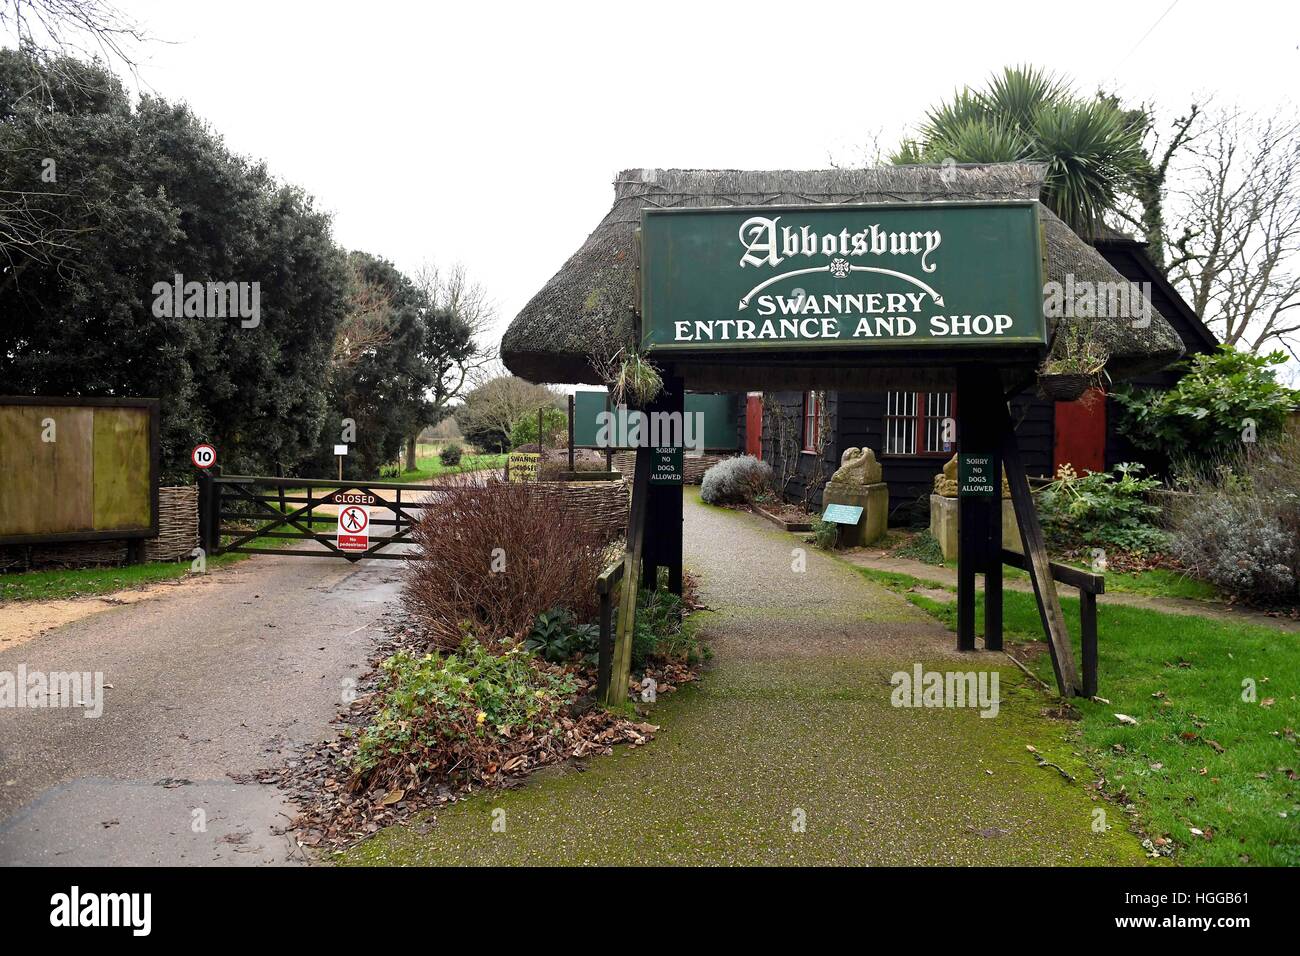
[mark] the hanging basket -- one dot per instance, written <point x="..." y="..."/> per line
<point x="1067" y="387"/>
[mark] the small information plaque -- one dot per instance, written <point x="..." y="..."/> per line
<point x="843" y="514"/>
<point x="522" y="465"/>
<point x="975" y="478"/>
<point x="667" y="465"/>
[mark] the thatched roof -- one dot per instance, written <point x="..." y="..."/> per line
<point x="588" y="306"/>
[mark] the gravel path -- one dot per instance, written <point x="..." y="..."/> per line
<point x="788" y="751"/>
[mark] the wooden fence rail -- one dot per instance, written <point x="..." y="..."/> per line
<point x="1089" y="585"/>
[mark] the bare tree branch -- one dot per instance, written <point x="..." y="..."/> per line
<point x="1238" y="253"/>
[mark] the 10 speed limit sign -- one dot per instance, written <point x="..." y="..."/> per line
<point x="203" y="456"/>
<point x="354" y="528"/>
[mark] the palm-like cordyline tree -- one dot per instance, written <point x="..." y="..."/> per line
<point x="1092" y="148"/>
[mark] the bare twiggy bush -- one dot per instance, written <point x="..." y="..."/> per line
<point x="494" y="555"/>
<point x="1240" y="526"/>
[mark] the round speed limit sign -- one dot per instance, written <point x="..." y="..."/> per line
<point x="203" y="456"/>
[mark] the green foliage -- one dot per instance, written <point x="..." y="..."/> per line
<point x="384" y="390"/>
<point x="1102" y="509"/>
<point x="923" y="547"/>
<point x="1093" y="149"/>
<point x="557" y="638"/>
<point x="824" y="534"/>
<point x="660" y="632"/>
<point x="1206" y="413"/>
<point x="554" y="425"/>
<point x="145" y="192"/>
<point x="451" y="455"/>
<point x="634" y="382"/>
<point x="489" y="411"/>
<point x="429" y="703"/>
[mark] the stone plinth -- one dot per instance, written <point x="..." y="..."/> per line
<point x="943" y="525"/>
<point x="873" y="499"/>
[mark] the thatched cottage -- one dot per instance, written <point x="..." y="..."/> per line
<point x="589" y="310"/>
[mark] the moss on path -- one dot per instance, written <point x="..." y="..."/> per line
<point x="793" y="724"/>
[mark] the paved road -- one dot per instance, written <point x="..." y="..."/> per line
<point x="220" y="677"/>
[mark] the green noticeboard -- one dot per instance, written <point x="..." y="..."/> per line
<point x="667" y="466"/>
<point x="850" y="276"/>
<point x="975" y="478"/>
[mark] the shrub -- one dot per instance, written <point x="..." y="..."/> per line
<point x="494" y="555"/>
<point x="923" y="547"/>
<point x="554" y="425"/>
<point x="659" y="632"/>
<point x="450" y="455"/>
<point x="462" y="712"/>
<point x="824" y="534"/>
<point x="1206" y="412"/>
<point x="736" y="480"/>
<point x="1239" y="527"/>
<point x="557" y="638"/>
<point x="1102" y="509"/>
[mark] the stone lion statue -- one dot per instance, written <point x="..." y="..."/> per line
<point x="858" y="466"/>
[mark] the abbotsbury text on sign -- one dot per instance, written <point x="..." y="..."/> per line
<point x="852" y="276"/>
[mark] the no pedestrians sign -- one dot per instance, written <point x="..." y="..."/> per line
<point x="354" y="528"/>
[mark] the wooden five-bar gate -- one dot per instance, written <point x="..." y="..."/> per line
<point x="245" y="514"/>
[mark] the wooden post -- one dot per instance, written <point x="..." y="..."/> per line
<point x="207" y="490"/>
<point x="571" y="461"/>
<point x="993" y="553"/>
<point x="540" y="409"/>
<point x="1088" y="640"/>
<point x="972" y="512"/>
<point x="1037" y="564"/>
<point x="622" y="660"/>
<point x="609" y="448"/>
<point x="663" y="545"/>
<point x="605" y="658"/>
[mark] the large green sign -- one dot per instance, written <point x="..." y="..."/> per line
<point x="851" y="276"/>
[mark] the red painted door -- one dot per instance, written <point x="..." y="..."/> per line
<point x="1081" y="433"/>
<point x="754" y="424"/>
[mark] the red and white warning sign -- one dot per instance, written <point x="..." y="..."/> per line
<point x="203" y="456"/>
<point x="354" y="528"/>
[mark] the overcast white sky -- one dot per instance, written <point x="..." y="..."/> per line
<point x="489" y="133"/>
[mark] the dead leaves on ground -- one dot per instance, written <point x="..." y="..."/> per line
<point x="336" y="811"/>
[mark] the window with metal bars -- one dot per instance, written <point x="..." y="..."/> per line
<point x="914" y="423"/>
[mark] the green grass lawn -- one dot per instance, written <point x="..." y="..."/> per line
<point x="431" y="466"/>
<point x="61" y="584"/>
<point x="1200" y="756"/>
<point x="84" y="582"/>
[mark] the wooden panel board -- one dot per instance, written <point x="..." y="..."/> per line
<point x="46" y="486"/>
<point x="122" y="480"/>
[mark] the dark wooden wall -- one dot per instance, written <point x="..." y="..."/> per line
<point x="857" y="420"/>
